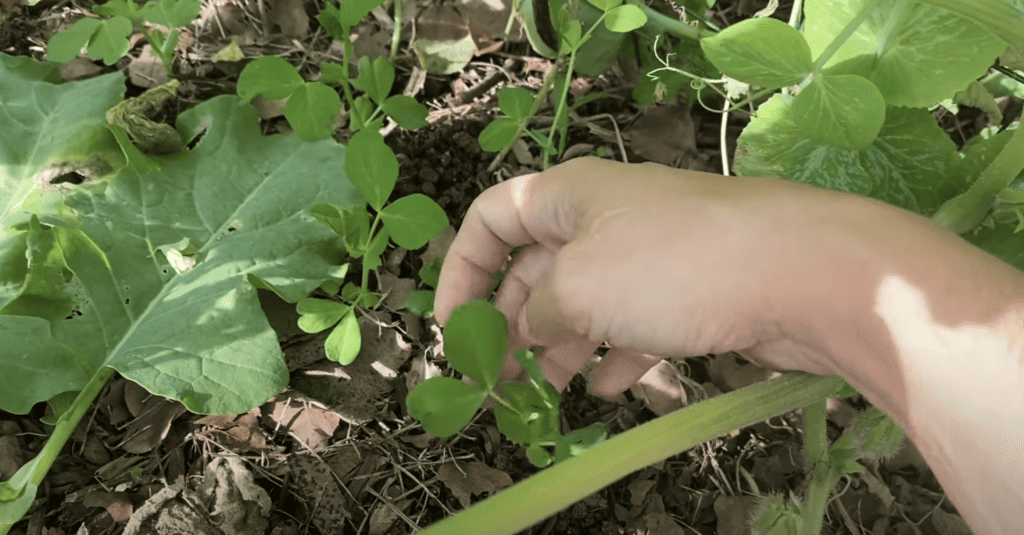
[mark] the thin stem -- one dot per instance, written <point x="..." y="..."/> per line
<point x="816" y="444"/>
<point x="658" y="24"/>
<point x="845" y="34"/>
<point x="565" y="483"/>
<point x="366" y="267"/>
<point x="396" y="36"/>
<point x="968" y="210"/>
<point x="796" y="13"/>
<point x="545" y="88"/>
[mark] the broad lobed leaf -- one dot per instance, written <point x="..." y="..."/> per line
<point x="198" y="336"/>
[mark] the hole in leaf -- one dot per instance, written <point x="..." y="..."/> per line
<point x="126" y="301"/>
<point x="69" y="178"/>
<point x="74" y="313"/>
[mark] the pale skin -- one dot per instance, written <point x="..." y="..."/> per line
<point x="661" y="262"/>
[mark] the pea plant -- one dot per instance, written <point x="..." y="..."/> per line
<point x="107" y="39"/>
<point x="847" y="108"/>
<point x="475" y="344"/>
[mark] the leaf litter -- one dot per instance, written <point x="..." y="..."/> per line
<point x="336" y="452"/>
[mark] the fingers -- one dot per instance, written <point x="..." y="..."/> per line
<point x="619" y="369"/>
<point x="493" y="226"/>
<point x="538" y="208"/>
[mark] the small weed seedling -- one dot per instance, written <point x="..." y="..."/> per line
<point x="107" y="39"/>
<point x="476" y="344"/>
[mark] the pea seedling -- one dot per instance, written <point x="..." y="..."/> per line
<point x="108" y="39"/>
<point x="476" y="344"/>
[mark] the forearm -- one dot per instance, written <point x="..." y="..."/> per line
<point x="930" y="328"/>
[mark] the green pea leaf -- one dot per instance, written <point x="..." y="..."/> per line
<point x="66" y="45"/>
<point x="343" y="344"/>
<point x="538" y="456"/>
<point x="421" y="303"/>
<point x="413" y="220"/>
<point x="764" y="52"/>
<point x="917" y="54"/>
<point x="530" y="419"/>
<point x="115" y="8"/>
<point x="843" y="111"/>
<point x="350" y="292"/>
<point x="334" y="23"/>
<point x="319" y="314"/>
<point x="475" y="341"/>
<point x="578" y="441"/>
<point x="625" y="18"/>
<point x="171" y="13"/>
<point x="406" y="111"/>
<point x="372" y="167"/>
<point x="362" y="110"/>
<point x="604" y="5"/>
<point x="515" y="102"/>
<point x="270" y="76"/>
<point x="499" y="134"/>
<point x="311" y="110"/>
<point x="369" y="300"/>
<point x="352" y="224"/>
<point x="572" y="36"/>
<point x="375" y="78"/>
<point x="332" y="287"/>
<point x="909" y="165"/>
<point x="110" y="42"/>
<point x="444" y="405"/>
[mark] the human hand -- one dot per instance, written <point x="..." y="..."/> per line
<point x="658" y="262"/>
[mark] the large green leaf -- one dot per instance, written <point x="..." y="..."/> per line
<point x="764" y="52"/>
<point x="194" y="331"/>
<point x="907" y="165"/>
<point x="48" y="129"/>
<point x="915" y="53"/>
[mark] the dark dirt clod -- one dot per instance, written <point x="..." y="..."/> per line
<point x="443" y="161"/>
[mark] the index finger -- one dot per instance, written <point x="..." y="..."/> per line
<point x="492" y="228"/>
<point x="537" y="208"/>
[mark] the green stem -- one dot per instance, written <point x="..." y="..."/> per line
<point x="658" y="24"/>
<point x="68" y="421"/>
<point x="565" y="483"/>
<point x="545" y="88"/>
<point x="31" y="475"/>
<point x="967" y="210"/>
<point x="366" y="268"/>
<point x="560" y="110"/>
<point x="816" y="443"/>
<point x="845" y="34"/>
<point x="347" y="45"/>
<point x="396" y="36"/>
